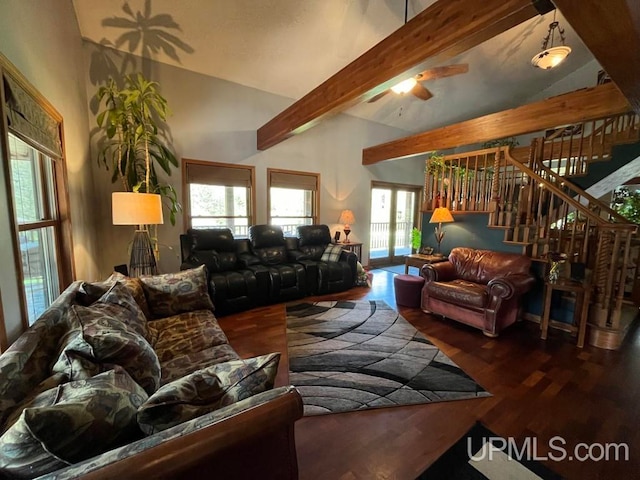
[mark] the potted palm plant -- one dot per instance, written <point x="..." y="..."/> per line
<point x="416" y="239"/>
<point x="133" y="145"/>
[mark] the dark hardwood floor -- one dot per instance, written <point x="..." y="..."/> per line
<point x="540" y="389"/>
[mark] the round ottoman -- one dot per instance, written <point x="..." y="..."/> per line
<point x="408" y="289"/>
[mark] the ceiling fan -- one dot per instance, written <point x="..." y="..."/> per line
<point x="416" y="88"/>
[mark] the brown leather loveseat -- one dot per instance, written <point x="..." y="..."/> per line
<point x="481" y="288"/>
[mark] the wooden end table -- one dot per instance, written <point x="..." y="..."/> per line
<point x="418" y="260"/>
<point x="355" y="247"/>
<point x="580" y="313"/>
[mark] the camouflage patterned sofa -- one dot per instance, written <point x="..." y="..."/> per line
<point x="133" y="378"/>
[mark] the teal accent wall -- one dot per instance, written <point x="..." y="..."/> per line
<point x="468" y="230"/>
<point x="621" y="155"/>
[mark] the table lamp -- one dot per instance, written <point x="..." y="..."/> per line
<point x="141" y="210"/>
<point x="346" y="217"/>
<point x="440" y="215"/>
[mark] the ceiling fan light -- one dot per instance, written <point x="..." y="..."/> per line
<point x="551" y="57"/>
<point x="404" y="86"/>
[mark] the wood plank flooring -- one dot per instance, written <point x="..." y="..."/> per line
<point x="540" y="389"/>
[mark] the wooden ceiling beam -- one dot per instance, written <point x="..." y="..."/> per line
<point x="611" y="31"/>
<point x="442" y="31"/>
<point x="579" y="106"/>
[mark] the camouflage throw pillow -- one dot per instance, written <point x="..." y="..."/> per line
<point x="119" y="297"/>
<point x="71" y="423"/>
<point x="174" y="293"/>
<point x="105" y="338"/>
<point x="207" y="390"/>
<point x="134" y="285"/>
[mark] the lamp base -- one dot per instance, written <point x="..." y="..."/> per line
<point x="142" y="261"/>
<point x="346" y="236"/>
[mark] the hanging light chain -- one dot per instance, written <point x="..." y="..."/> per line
<point x="551" y="33"/>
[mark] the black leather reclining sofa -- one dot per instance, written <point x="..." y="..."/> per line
<point x="267" y="267"/>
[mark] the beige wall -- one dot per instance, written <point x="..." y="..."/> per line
<point x="216" y="120"/>
<point x="42" y="39"/>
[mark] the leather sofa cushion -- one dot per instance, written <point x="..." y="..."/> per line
<point x="335" y="271"/>
<point x="219" y="239"/>
<point x="233" y="284"/>
<point x="263" y="236"/>
<point x="272" y="255"/>
<point x="268" y="244"/>
<point x="459" y="292"/>
<point x="482" y="266"/>
<point x="313" y="252"/>
<point x="213" y="247"/>
<point x="289" y="275"/>
<point x="310" y="235"/>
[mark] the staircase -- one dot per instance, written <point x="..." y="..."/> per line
<point x="527" y="192"/>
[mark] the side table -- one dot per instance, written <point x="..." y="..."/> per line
<point x="580" y="313"/>
<point x="355" y="247"/>
<point x="418" y="260"/>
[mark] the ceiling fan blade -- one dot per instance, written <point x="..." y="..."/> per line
<point x="442" y="72"/>
<point x="421" y="92"/>
<point x="378" y="96"/>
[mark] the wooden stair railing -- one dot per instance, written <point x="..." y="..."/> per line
<point x="583" y="228"/>
<point x="570" y="149"/>
<point x="542" y="211"/>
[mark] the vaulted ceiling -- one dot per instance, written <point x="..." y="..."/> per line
<point x="288" y="47"/>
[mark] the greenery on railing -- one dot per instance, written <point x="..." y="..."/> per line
<point x="502" y="142"/>
<point x="435" y="164"/>
<point x="627" y="203"/>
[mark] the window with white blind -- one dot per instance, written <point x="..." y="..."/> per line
<point x="218" y="195"/>
<point x="293" y="199"/>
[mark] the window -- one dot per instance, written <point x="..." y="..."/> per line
<point x="293" y="199"/>
<point x="33" y="182"/>
<point x="218" y="195"/>
<point x="41" y="227"/>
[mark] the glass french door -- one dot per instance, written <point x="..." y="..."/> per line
<point x="394" y="212"/>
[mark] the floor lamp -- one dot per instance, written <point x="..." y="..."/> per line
<point x="141" y="210"/>
<point x="440" y="215"/>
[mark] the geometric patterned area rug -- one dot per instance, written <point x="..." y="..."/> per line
<point x="482" y="455"/>
<point x="355" y="355"/>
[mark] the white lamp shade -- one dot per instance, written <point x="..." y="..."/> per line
<point x="130" y="208"/>
<point x="347" y="217"/>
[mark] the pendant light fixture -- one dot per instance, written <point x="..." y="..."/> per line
<point x="551" y="56"/>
